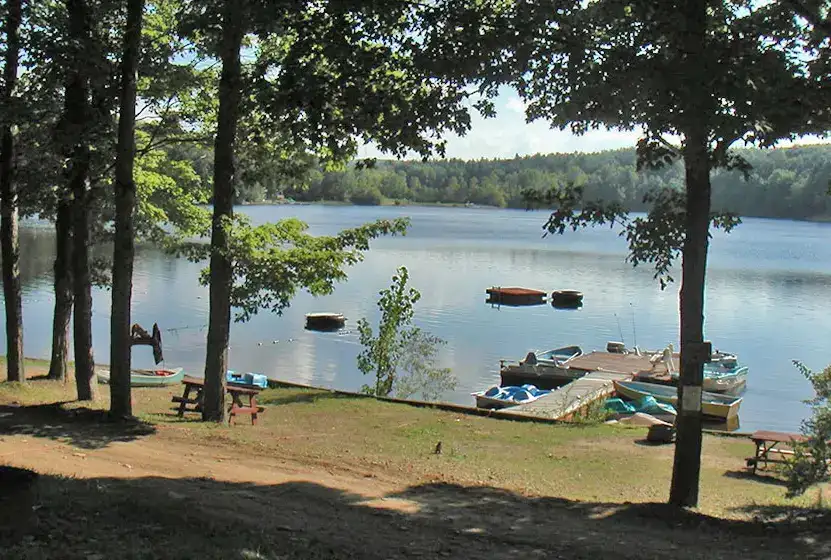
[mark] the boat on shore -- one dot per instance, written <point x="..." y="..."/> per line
<point x="720" y="407"/>
<point x="160" y="377"/>
<point x="504" y="397"/>
<point x="547" y="370"/>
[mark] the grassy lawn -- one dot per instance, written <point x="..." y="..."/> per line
<point x="590" y="463"/>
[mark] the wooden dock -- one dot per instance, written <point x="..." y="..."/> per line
<point x="631" y="364"/>
<point x="569" y="400"/>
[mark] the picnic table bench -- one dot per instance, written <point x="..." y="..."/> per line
<point x="772" y="447"/>
<point x="237" y="391"/>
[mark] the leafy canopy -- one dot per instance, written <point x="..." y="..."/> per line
<point x="272" y="261"/>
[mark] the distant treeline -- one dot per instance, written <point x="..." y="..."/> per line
<point x="783" y="183"/>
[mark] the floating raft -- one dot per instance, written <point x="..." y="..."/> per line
<point x="325" y="321"/>
<point x="515" y="296"/>
<point x="566" y="298"/>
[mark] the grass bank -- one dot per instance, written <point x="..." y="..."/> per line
<point x="333" y="476"/>
<point x="576" y="462"/>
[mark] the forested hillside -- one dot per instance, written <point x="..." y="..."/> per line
<point x="785" y="183"/>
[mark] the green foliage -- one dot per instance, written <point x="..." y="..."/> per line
<point x="169" y="193"/>
<point x="798" y="191"/>
<point x="418" y="374"/>
<point x="811" y="463"/>
<point x="381" y="353"/>
<point x="402" y="357"/>
<point x="273" y="261"/>
<point x="366" y="196"/>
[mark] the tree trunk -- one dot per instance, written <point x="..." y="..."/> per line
<point x="687" y="462"/>
<point x="63" y="291"/>
<point x="77" y="113"/>
<point x="219" y="322"/>
<point x="125" y="201"/>
<point x="82" y="283"/>
<point x="9" y="241"/>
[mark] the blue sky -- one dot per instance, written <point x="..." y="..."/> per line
<point x="507" y="135"/>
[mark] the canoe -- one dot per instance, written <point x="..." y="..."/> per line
<point x="722" y="407"/>
<point x="146" y="377"/>
<point x="504" y="397"/>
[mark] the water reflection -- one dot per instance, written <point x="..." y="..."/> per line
<point x="37" y="257"/>
<point x="764" y="301"/>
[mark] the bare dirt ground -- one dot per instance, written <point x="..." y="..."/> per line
<point x="153" y="491"/>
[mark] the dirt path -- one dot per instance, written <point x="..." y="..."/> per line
<point x="358" y="511"/>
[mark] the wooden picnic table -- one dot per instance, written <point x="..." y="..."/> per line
<point x="237" y="391"/>
<point x="772" y="447"/>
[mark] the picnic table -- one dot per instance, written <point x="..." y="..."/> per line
<point x="772" y="447"/>
<point x="237" y="391"/>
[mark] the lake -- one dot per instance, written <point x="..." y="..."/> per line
<point x="768" y="292"/>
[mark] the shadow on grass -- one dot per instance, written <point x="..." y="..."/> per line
<point x="81" y="427"/>
<point x="290" y="396"/>
<point x="646" y="443"/>
<point x="206" y="518"/>
<point x="815" y="520"/>
<point x="759" y="477"/>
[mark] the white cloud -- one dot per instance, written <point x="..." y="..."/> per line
<point x="507" y="135"/>
<point x="515" y="104"/>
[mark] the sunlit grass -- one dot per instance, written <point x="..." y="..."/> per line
<point x="597" y="463"/>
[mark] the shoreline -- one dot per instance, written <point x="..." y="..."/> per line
<point x="821" y="219"/>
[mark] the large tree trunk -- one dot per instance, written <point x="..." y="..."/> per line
<point x="219" y="322"/>
<point x="81" y="280"/>
<point x="63" y="291"/>
<point x="687" y="463"/>
<point x="125" y="201"/>
<point x="9" y="241"/>
<point x="77" y="113"/>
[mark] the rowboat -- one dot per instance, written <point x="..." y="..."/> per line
<point x="722" y="407"/>
<point x="146" y="377"/>
<point x="504" y="397"/>
<point x="546" y="370"/>
<point x="722" y="374"/>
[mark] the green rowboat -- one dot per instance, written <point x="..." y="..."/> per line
<point x="146" y="377"/>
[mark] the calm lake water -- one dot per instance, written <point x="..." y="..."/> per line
<point x="768" y="297"/>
